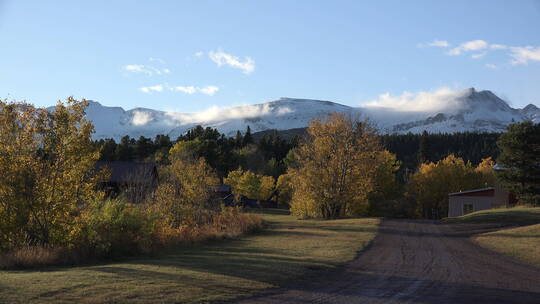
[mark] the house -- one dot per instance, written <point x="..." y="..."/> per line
<point x="461" y="203"/>
<point x="224" y="194"/>
<point x="128" y="176"/>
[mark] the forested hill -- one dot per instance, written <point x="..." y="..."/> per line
<point x="224" y="153"/>
<point x="411" y="149"/>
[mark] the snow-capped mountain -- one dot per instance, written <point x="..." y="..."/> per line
<point x="531" y="112"/>
<point x="282" y="114"/>
<point x="468" y="110"/>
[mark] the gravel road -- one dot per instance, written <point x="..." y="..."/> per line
<point x="419" y="262"/>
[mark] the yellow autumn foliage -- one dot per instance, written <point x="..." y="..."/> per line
<point x="47" y="162"/>
<point x="336" y="168"/>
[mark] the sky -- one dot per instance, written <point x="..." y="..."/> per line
<point x="187" y="56"/>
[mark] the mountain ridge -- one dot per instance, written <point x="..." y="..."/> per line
<point x="470" y="110"/>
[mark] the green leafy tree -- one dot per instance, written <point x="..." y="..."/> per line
<point x="251" y="185"/>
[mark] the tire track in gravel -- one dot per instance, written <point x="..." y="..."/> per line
<point x="418" y="262"/>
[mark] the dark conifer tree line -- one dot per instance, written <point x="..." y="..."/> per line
<point x="414" y="149"/>
<point x="267" y="154"/>
<point x="224" y="154"/>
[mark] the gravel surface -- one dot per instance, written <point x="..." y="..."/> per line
<point x="419" y="262"/>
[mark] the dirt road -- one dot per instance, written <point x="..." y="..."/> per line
<point x="419" y="262"/>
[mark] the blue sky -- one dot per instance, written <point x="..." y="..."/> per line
<point x="189" y="55"/>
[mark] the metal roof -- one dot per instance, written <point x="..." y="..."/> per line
<point x="471" y="191"/>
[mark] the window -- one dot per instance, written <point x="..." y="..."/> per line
<point x="467" y="208"/>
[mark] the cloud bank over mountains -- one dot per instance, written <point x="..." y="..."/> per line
<point x="441" y="110"/>
<point x="441" y="99"/>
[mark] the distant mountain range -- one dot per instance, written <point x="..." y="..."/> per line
<point x="470" y="110"/>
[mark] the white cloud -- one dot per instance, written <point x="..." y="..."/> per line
<point x="207" y="90"/>
<point x="425" y="101"/>
<point x="150" y="89"/>
<point x="435" y="43"/>
<point x="222" y="58"/>
<point x="145" y="69"/>
<point x="522" y="55"/>
<point x="153" y="59"/>
<point x="491" y="66"/>
<point x="473" y="45"/>
<point x="479" y="55"/>
<point x="199" y="54"/>
<point x="217" y="113"/>
<point x="519" y="54"/>
<point x="186" y="89"/>
<point x="141" y="118"/>
<point x="498" y="47"/>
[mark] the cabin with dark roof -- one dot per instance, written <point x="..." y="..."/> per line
<point x="128" y="176"/>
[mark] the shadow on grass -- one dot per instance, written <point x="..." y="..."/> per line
<point x="378" y="288"/>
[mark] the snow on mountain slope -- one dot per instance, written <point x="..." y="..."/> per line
<point x="282" y="114"/>
<point x="531" y="112"/>
<point x="466" y="110"/>
<point x="472" y="111"/>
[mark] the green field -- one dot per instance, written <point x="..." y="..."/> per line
<point x="287" y="251"/>
<point x="522" y="243"/>
<point x="503" y="216"/>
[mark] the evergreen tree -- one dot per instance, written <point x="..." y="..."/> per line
<point x="248" y="138"/>
<point x="520" y="157"/>
<point x="108" y="149"/>
<point x="124" y="150"/>
<point x="144" y="147"/>
<point x="239" y="139"/>
<point x="423" y="149"/>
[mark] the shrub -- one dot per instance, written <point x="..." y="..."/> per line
<point x="230" y="222"/>
<point x="112" y="228"/>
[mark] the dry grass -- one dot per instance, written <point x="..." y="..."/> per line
<point x="231" y="223"/>
<point x="522" y="243"/>
<point x="34" y="256"/>
<point x="289" y="250"/>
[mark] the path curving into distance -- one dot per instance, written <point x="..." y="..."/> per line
<point x="413" y="261"/>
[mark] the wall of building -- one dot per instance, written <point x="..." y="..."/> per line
<point x="501" y="197"/>
<point x="455" y="204"/>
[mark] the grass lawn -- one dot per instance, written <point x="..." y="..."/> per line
<point x="522" y="243"/>
<point x="503" y="216"/>
<point x="289" y="250"/>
